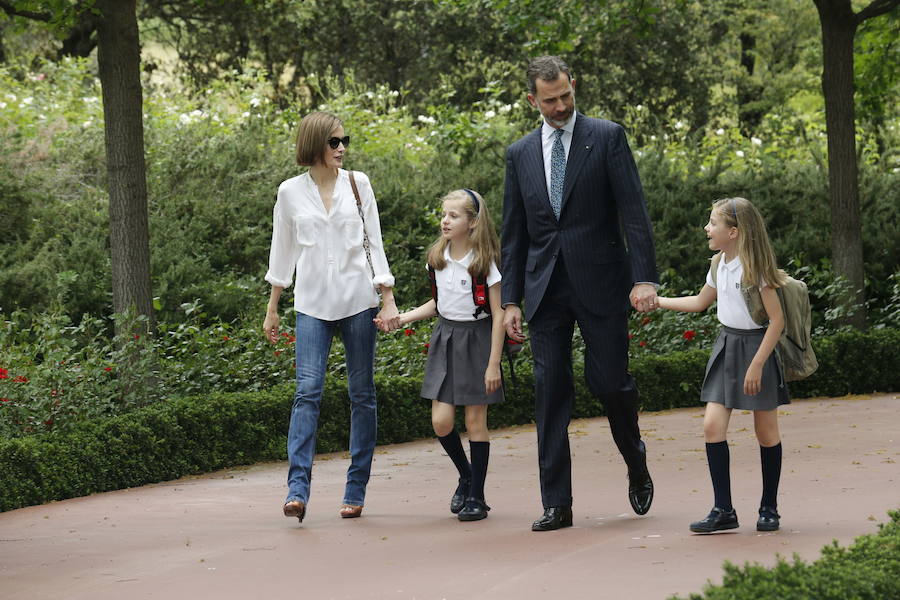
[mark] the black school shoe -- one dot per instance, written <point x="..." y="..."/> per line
<point x="768" y="519"/>
<point x="718" y="519"/>
<point x="459" y="496"/>
<point x="474" y="510"/>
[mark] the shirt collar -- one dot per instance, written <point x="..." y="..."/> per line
<point x="548" y="129"/>
<point x="733" y="265"/>
<point x="464" y="261"/>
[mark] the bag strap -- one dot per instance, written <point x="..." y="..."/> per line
<point x="363" y="219"/>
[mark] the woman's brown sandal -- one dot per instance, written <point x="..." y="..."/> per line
<point x="295" y="508"/>
<point x="350" y="511"/>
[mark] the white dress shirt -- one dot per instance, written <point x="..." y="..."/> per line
<point x="547" y="139"/>
<point x="325" y="250"/>
<point x="455" y="288"/>
<point x="731" y="308"/>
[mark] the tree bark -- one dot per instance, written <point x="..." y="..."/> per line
<point x="119" y="62"/>
<point x="838" y="30"/>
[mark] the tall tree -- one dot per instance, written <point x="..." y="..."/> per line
<point x="839" y="23"/>
<point x="118" y="58"/>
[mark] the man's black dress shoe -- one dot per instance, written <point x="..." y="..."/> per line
<point x="718" y="519"/>
<point x="553" y="518"/>
<point x="474" y="510"/>
<point x="459" y="496"/>
<point x="640" y="491"/>
<point x="768" y="519"/>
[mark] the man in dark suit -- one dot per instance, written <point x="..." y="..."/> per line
<point x="571" y="191"/>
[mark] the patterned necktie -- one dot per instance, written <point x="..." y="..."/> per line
<point x="557" y="173"/>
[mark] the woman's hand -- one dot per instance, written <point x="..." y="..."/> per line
<point x="388" y="318"/>
<point x="270" y="327"/>
<point x="492" y="378"/>
<point x="753" y="379"/>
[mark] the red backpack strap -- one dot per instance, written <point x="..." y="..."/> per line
<point x="480" y="295"/>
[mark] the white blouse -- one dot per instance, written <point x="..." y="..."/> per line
<point x="325" y="249"/>
<point x="731" y="308"/>
<point x="455" y="288"/>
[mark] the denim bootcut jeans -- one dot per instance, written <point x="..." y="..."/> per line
<point x="314" y="338"/>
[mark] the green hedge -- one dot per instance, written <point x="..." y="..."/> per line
<point x="869" y="569"/>
<point x="200" y="434"/>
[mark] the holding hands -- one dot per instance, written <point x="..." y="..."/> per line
<point x="643" y="297"/>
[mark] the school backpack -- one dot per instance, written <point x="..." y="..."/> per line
<point x="482" y="303"/>
<point x="794" y="348"/>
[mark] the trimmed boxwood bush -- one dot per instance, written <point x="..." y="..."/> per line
<point x="203" y="433"/>
<point x="868" y="569"/>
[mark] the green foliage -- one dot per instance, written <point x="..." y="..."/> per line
<point x="868" y="569"/>
<point x="213" y="430"/>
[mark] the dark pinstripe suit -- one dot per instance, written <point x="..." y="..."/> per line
<point x="577" y="270"/>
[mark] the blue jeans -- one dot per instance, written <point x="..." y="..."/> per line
<point x="313" y="345"/>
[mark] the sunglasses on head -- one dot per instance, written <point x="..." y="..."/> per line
<point x="334" y="142"/>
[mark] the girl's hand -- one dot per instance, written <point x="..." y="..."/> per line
<point x="753" y="379"/>
<point x="492" y="379"/>
<point x="270" y="327"/>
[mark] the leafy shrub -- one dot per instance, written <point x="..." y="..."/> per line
<point x="868" y="569"/>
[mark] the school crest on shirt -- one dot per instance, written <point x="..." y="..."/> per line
<point x="464" y="282"/>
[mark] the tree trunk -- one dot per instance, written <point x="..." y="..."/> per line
<point x="119" y="62"/>
<point x="838" y="30"/>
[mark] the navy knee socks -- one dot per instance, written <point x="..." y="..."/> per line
<point x="453" y="447"/>
<point x="770" y="459"/>
<point x="719" y="470"/>
<point x="480" y="453"/>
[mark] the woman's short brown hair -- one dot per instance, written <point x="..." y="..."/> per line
<point x="315" y="129"/>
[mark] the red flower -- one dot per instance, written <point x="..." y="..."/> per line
<point x="20" y="379"/>
<point x="408" y="332"/>
<point x="642" y="344"/>
<point x="107" y="369"/>
<point x="278" y="353"/>
<point x="645" y="321"/>
<point x="137" y="337"/>
<point x="425" y="349"/>
<point x="4" y="374"/>
<point x="689" y="334"/>
<point x="630" y="336"/>
<point x="48" y="422"/>
<point x="225" y="338"/>
<point x="5" y="400"/>
<point x="292" y="339"/>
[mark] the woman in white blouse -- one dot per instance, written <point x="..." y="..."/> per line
<point x="317" y="233"/>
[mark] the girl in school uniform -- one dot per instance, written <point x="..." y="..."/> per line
<point x="742" y="372"/>
<point x="463" y="367"/>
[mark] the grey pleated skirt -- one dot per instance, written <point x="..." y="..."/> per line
<point x="457" y="359"/>
<point x="724" y="381"/>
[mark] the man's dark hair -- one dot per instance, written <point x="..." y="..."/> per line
<point x="547" y="68"/>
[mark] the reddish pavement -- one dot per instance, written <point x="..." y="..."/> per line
<point x="222" y="535"/>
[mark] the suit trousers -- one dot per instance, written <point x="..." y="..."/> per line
<point x="606" y="373"/>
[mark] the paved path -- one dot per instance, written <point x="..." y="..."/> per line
<point x="222" y="535"/>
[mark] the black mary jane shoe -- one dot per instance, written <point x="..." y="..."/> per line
<point x="459" y="496"/>
<point x="718" y="519"/>
<point x="474" y="510"/>
<point x="768" y="519"/>
<point x="555" y="517"/>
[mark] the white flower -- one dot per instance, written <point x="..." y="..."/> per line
<point x="506" y="108"/>
<point x="756" y="141"/>
<point x="185" y="119"/>
<point x="720" y="131"/>
<point x="640" y="107"/>
<point x="652" y="138"/>
<point x="254" y="101"/>
<point x="2" y="104"/>
<point x="740" y="153"/>
<point x="88" y="123"/>
<point x="419" y="138"/>
<point x="11" y="97"/>
<point x="197" y="113"/>
<point x="29" y="100"/>
<point x="490" y="114"/>
<point x="679" y="124"/>
<point x="427" y="120"/>
<point x="394" y="93"/>
<point x="245" y="114"/>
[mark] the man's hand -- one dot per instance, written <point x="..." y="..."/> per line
<point x="512" y="321"/>
<point x="643" y="297"/>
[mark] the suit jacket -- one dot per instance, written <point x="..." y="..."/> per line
<point x="602" y="199"/>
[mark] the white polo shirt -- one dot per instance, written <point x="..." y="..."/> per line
<point x="731" y="309"/>
<point x="455" y="288"/>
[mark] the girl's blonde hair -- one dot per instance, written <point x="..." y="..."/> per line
<point x="753" y="245"/>
<point x="484" y="240"/>
<point x="312" y="135"/>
